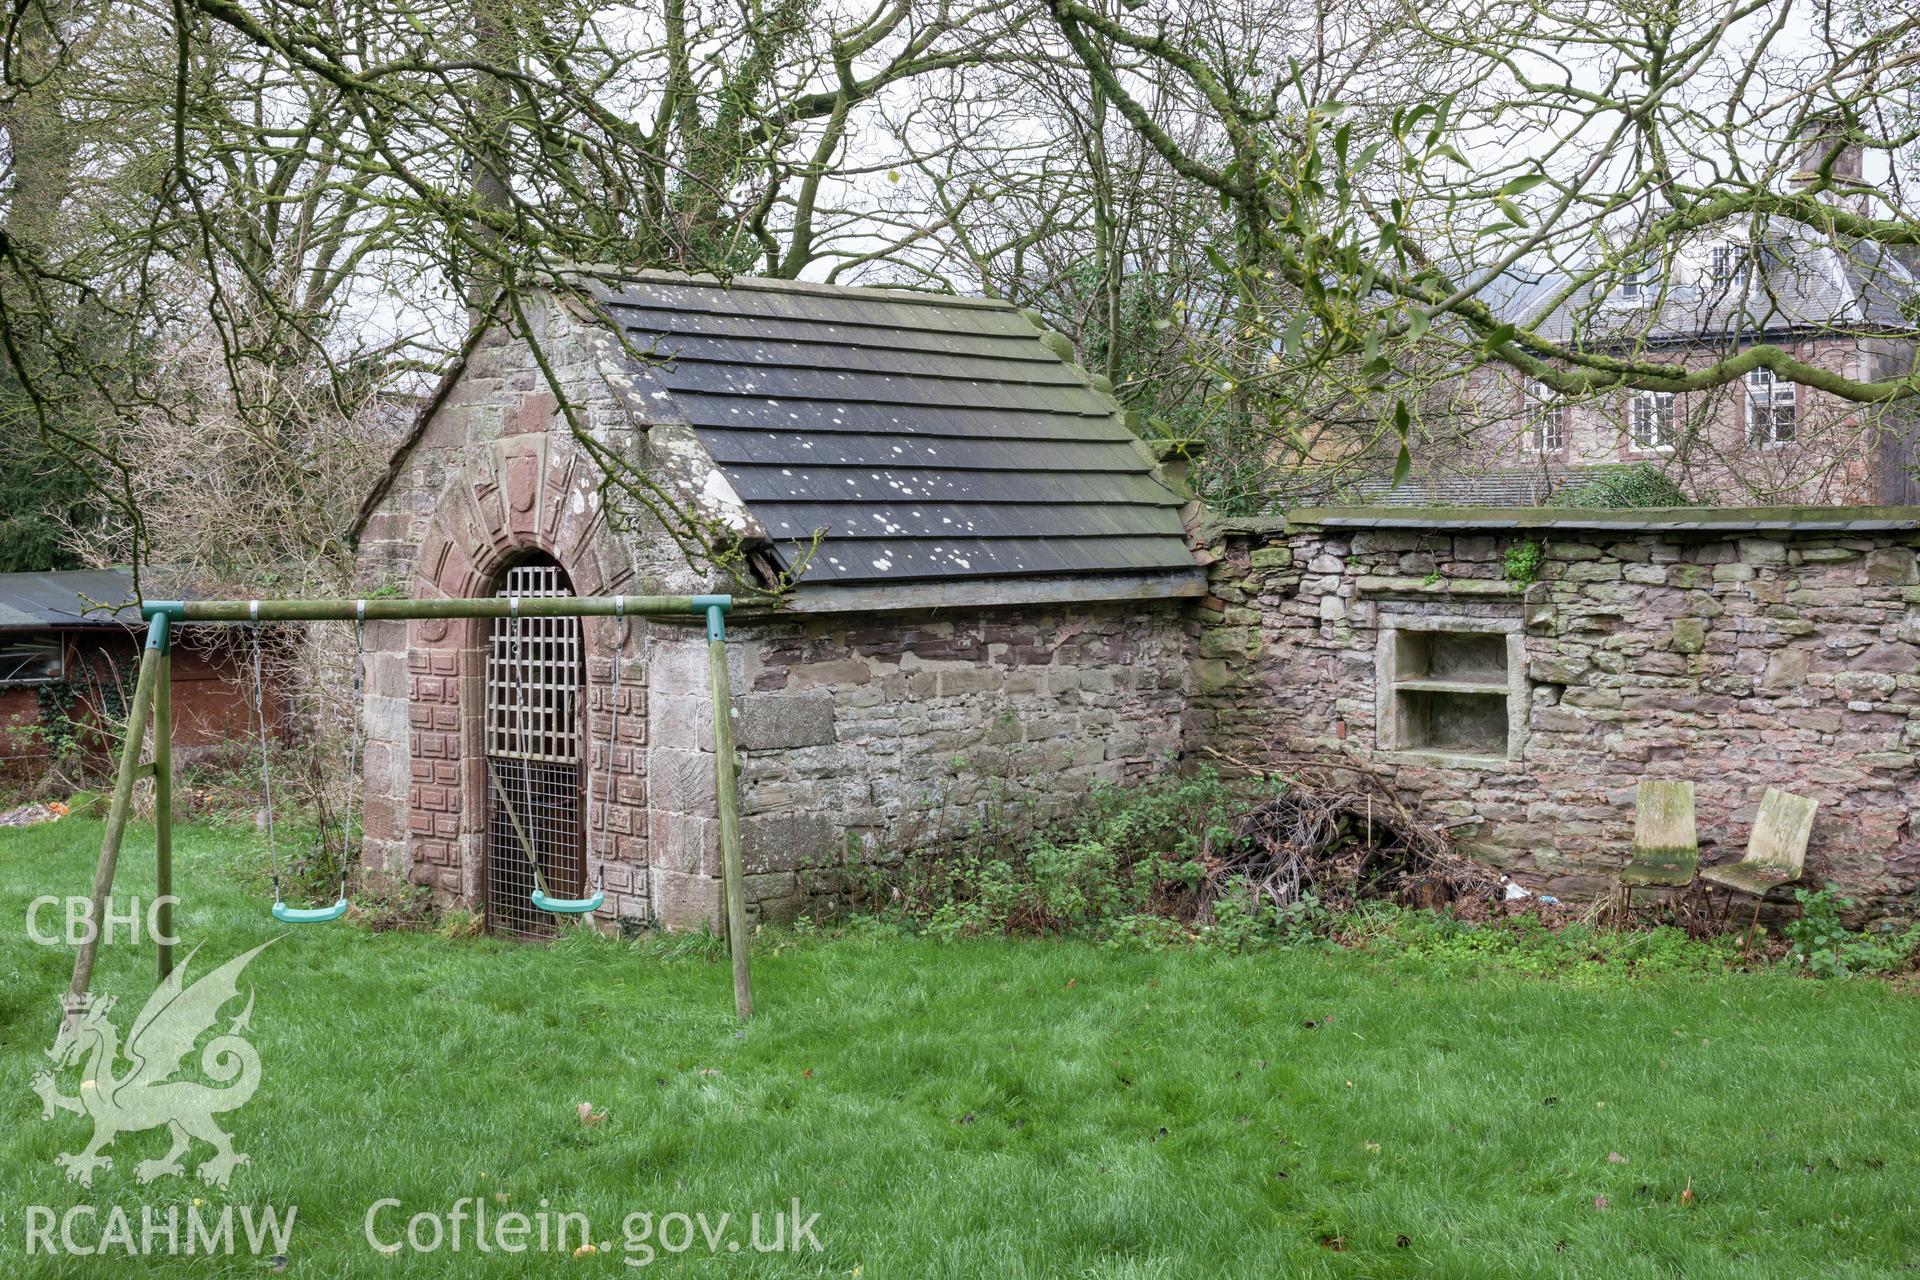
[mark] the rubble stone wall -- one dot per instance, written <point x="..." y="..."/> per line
<point x="1735" y="658"/>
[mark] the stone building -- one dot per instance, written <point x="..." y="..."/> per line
<point x="991" y="569"/>
<point x="1844" y="306"/>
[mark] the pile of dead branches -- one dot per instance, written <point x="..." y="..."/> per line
<point x="1343" y="837"/>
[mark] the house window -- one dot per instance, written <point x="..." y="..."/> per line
<point x="1724" y="262"/>
<point x="1650" y="420"/>
<point x="1772" y="408"/>
<point x="1546" y="420"/>
<point x="1635" y="289"/>
<point x="1457" y="693"/>
<point x="31" y="660"/>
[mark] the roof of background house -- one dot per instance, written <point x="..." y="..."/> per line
<point x="932" y="438"/>
<point x="66" y="598"/>
<point x="1805" y="281"/>
<point x="1498" y="487"/>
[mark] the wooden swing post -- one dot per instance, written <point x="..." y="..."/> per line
<point x="163" y="811"/>
<point x="731" y="873"/>
<point x="154" y="661"/>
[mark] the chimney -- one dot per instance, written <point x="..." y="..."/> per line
<point x="1824" y="137"/>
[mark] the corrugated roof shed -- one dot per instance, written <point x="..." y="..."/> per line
<point x="69" y="598"/>
<point x="931" y="438"/>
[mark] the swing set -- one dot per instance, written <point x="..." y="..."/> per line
<point x="153" y="703"/>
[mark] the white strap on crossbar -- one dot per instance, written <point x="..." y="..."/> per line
<point x="253" y="611"/>
<point x="513" y="606"/>
<point x="359" y="610"/>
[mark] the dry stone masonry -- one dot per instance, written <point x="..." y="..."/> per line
<point x="1714" y="647"/>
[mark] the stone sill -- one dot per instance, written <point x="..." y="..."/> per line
<point x="1448" y="760"/>
<point x="1368" y="584"/>
<point x="1497" y="688"/>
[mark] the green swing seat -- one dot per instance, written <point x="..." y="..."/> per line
<point x="308" y="915"/>
<point x="569" y="906"/>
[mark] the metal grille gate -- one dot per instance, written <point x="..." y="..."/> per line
<point x="533" y="735"/>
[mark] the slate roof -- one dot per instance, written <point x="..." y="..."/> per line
<point x="932" y="438"/>
<point x="45" y="601"/>
<point x="1797" y="280"/>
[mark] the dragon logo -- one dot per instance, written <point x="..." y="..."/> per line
<point x="147" y="1093"/>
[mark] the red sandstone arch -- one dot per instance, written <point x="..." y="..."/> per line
<point x="528" y="492"/>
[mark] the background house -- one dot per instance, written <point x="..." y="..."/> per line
<point x="1491" y="437"/>
<point x="1844" y="306"/>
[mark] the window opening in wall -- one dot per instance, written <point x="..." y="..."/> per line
<point x="1772" y="407"/>
<point x="1651" y="420"/>
<point x="1448" y="692"/>
<point x="1546" y="420"/>
<point x="31" y="660"/>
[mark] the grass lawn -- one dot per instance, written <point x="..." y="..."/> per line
<point x="992" y="1108"/>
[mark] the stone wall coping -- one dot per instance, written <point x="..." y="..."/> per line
<point x="1707" y="520"/>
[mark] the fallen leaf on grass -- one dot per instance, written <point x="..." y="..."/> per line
<point x="1600" y="1202"/>
<point x="1614" y="1157"/>
<point x="1336" y="1243"/>
<point x="588" y="1116"/>
<point x="1373" y="1146"/>
<point x="1687" y="1197"/>
<point x="807" y="1074"/>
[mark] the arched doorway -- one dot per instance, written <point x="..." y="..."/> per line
<point x="534" y="681"/>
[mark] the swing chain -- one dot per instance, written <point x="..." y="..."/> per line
<point x="266" y="769"/>
<point x="354" y="736"/>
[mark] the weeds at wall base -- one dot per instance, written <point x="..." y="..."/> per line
<point x="1126" y="872"/>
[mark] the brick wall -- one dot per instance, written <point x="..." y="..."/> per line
<point x="212" y="696"/>
<point x="1737" y="660"/>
